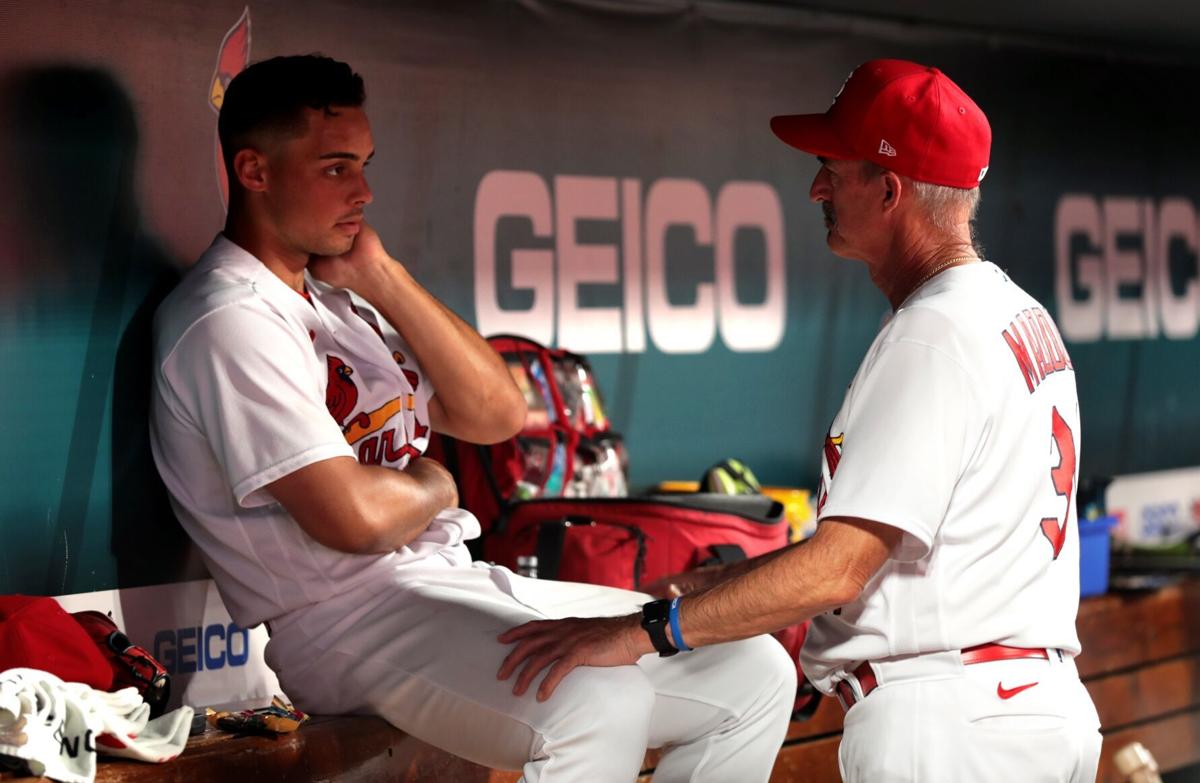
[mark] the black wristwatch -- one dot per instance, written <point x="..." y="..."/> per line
<point x="655" y="619"/>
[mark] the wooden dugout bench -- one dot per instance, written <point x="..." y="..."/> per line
<point x="1141" y="665"/>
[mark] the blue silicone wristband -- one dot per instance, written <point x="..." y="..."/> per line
<point x="675" y="632"/>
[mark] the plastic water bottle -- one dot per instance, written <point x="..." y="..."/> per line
<point x="527" y="565"/>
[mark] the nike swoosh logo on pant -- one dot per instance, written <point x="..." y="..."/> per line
<point x="1008" y="693"/>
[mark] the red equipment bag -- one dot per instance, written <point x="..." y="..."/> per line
<point x="629" y="542"/>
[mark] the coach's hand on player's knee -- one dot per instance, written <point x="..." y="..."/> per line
<point x="561" y="645"/>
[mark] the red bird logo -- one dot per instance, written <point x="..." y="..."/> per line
<point x="833" y="452"/>
<point x="341" y="395"/>
<point x="833" y="455"/>
<point x="232" y="59"/>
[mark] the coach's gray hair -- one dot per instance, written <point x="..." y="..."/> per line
<point x="942" y="205"/>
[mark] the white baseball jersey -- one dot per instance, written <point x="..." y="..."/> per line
<point x="960" y="428"/>
<point x="253" y="381"/>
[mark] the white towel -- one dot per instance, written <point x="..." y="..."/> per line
<point x="57" y="727"/>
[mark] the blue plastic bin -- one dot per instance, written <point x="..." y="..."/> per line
<point x="1094" y="545"/>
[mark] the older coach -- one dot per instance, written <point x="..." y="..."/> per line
<point x="943" y="579"/>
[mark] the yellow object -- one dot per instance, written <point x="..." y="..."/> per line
<point x="678" y="486"/>
<point x="796" y="510"/>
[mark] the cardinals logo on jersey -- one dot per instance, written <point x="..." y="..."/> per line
<point x="832" y="456"/>
<point x="341" y="394"/>
<point x="232" y="59"/>
<point x="365" y="430"/>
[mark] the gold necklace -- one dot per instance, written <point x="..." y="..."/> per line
<point x="944" y="265"/>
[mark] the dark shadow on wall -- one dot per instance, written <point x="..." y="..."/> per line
<point x="81" y="267"/>
<point x="148" y="542"/>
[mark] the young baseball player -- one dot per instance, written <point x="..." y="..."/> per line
<point x="943" y="579"/>
<point x="299" y="373"/>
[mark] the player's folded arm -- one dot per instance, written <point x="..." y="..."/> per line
<point x="246" y="380"/>
<point x="361" y="508"/>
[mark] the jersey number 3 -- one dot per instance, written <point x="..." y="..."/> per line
<point x="1063" y="477"/>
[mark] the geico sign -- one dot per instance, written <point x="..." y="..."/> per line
<point x="1125" y="268"/>
<point x="553" y="276"/>
<point x="187" y="650"/>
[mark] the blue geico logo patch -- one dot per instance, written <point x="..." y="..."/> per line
<point x="188" y="650"/>
<point x="1164" y="520"/>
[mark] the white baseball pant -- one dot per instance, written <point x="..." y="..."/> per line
<point x="933" y="720"/>
<point x="421" y="652"/>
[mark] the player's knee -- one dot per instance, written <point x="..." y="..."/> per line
<point x="613" y="703"/>
<point x="769" y="669"/>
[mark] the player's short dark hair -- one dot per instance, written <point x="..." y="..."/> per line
<point x="268" y="99"/>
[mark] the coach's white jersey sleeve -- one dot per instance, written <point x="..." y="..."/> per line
<point x="901" y="441"/>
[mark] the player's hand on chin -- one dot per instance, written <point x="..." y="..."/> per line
<point x="561" y="645"/>
<point x="360" y="268"/>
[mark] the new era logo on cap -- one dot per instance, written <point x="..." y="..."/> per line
<point x="891" y="105"/>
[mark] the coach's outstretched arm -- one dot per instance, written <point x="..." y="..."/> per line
<point x="475" y="398"/>
<point x="823" y="573"/>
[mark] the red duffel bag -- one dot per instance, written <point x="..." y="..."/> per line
<point x="629" y="542"/>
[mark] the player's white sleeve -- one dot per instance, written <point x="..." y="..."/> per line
<point x="249" y="383"/>
<point x="911" y="423"/>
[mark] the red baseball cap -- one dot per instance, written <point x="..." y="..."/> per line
<point x="906" y="117"/>
<point x="37" y="633"/>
